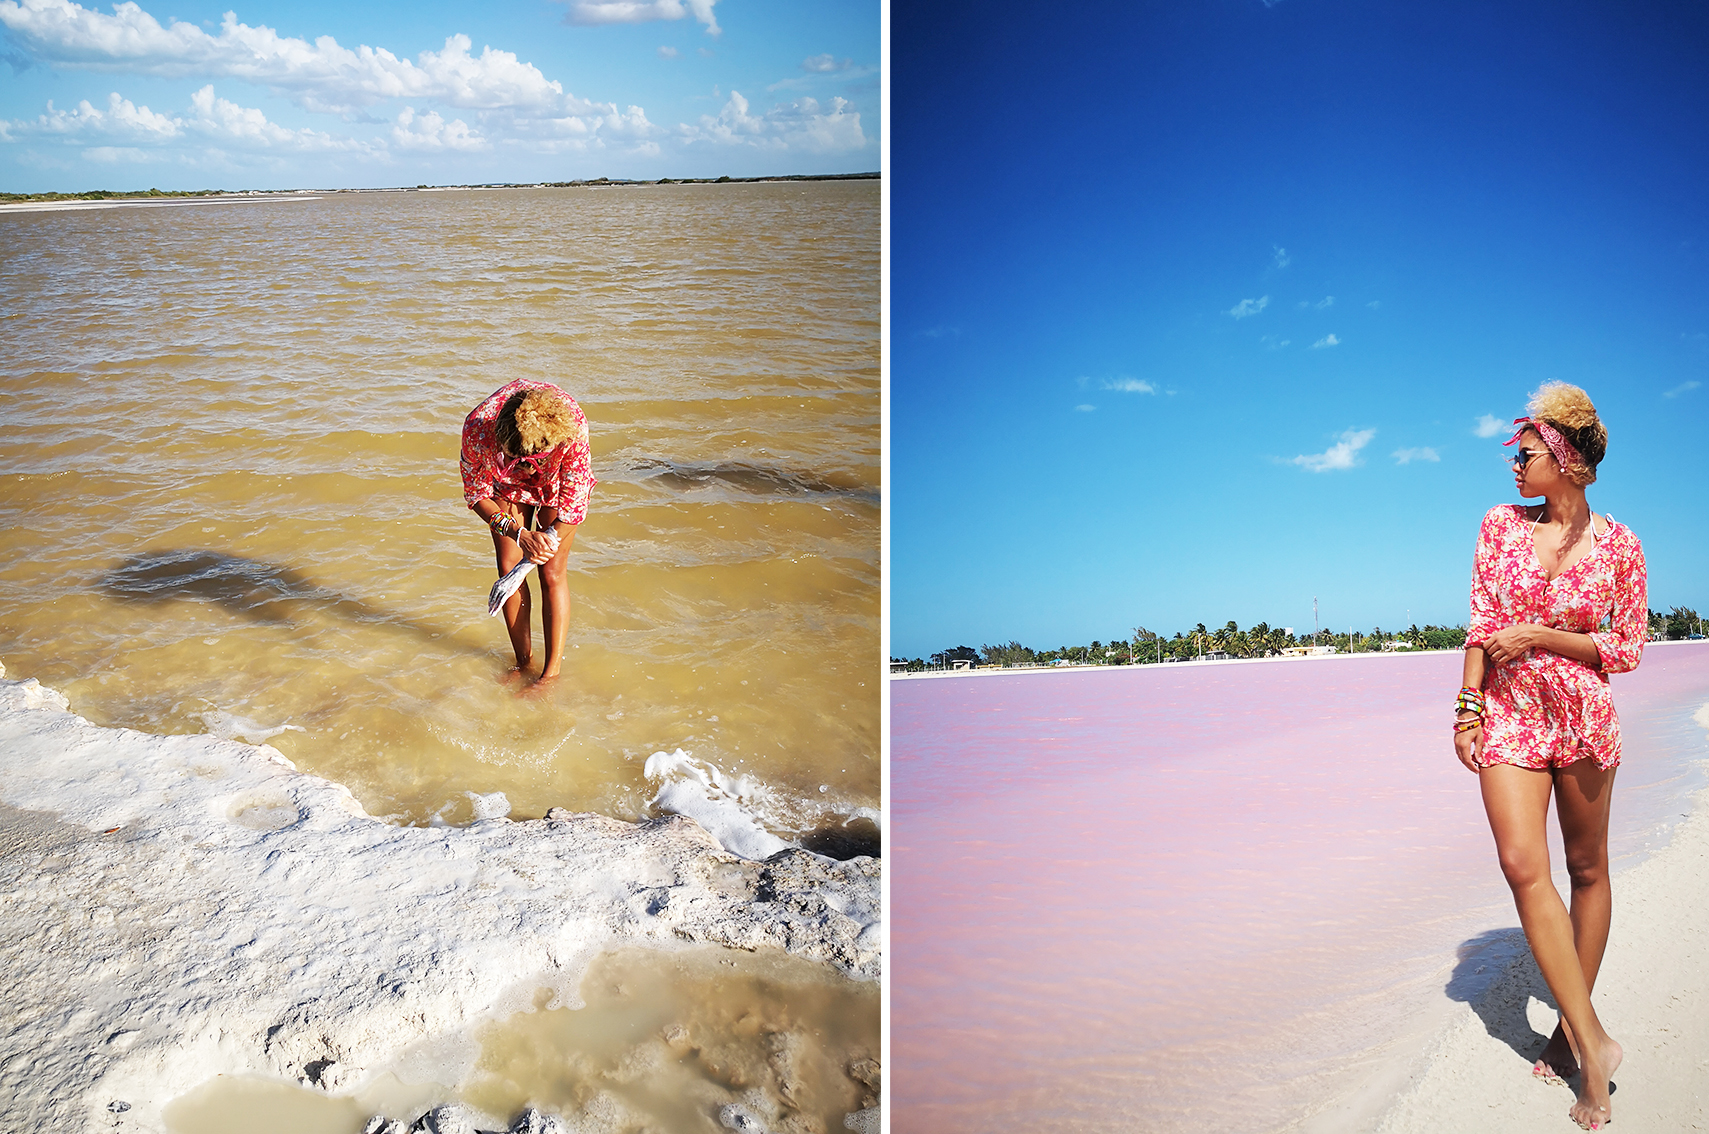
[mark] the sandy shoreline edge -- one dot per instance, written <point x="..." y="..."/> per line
<point x="176" y="907"/>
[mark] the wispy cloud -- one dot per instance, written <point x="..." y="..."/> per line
<point x="1083" y="408"/>
<point x="1248" y="307"/>
<point x="1326" y="341"/>
<point x="1374" y="304"/>
<point x="1326" y="301"/>
<point x="1407" y="456"/>
<point x="1344" y="454"/>
<point x="1273" y="343"/>
<point x="824" y="64"/>
<point x="641" y="12"/>
<point x="1488" y="425"/>
<point x="801" y="125"/>
<point x="940" y="331"/>
<point x="668" y="52"/>
<point x="1683" y="387"/>
<point x="1130" y="386"/>
<point x="1282" y="257"/>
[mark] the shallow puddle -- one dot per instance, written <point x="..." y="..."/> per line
<point x="663" y="1041"/>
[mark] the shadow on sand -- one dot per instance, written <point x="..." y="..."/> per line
<point x="1496" y="977"/>
<point x="263" y="592"/>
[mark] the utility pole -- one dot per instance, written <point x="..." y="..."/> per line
<point x="1315" y="631"/>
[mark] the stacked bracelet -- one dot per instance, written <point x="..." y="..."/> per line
<point x="1469" y="700"/>
<point x="503" y="523"/>
<point x="1468" y="724"/>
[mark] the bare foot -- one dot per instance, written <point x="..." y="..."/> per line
<point x="516" y="675"/>
<point x="543" y="685"/>
<point x="1592" y="1110"/>
<point x="1557" y="1063"/>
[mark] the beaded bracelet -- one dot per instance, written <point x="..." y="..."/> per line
<point x="1467" y="726"/>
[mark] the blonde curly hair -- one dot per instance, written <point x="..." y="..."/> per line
<point x="1569" y="411"/>
<point x="532" y="421"/>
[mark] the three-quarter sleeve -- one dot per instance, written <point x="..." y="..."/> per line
<point x="1621" y="646"/>
<point x="1486" y="614"/>
<point x="476" y="466"/>
<point x="575" y="475"/>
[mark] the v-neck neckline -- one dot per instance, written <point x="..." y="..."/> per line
<point x="1537" y="560"/>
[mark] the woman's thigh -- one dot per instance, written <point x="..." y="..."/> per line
<point x="1517" y="803"/>
<point x="1583" y="794"/>
<point x="507" y="550"/>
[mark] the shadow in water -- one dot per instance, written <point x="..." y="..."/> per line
<point x="849" y="839"/>
<point x="757" y="479"/>
<point x="263" y="592"/>
<point x="1496" y="977"/>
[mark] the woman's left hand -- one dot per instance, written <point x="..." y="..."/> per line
<point x="1512" y="643"/>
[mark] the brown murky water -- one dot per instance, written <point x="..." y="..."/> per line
<point x="228" y="478"/>
<point x="660" y="1042"/>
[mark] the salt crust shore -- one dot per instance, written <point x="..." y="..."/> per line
<point x="1652" y="995"/>
<point x="177" y="907"/>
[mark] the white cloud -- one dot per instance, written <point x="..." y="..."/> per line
<point x="642" y="11"/>
<point x="431" y="132"/>
<point x="704" y="52"/>
<point x="1326" y="301"/>
<point x="1084" y="408"/>
<point x="1130" y="386"/>
<point x="1682" y="388"/>
<point x="1344" y="454"/>
<point x="1374" y="304"/>
<point x="800" y="125"/>
<point x="212" y="119"/>
<point x="1407" y="456"/>
<point x="1248" y="307"/>
<point x="824" y="64"/>
<point x="1282" y="257"/>
<point x="1326" y="341"/>
<point x="1488" y="425"/>
<point x="668" y="52"/>
<point x="940" y="332"/>
<point x="1272" y="342"/>
<point x="118" y="154"/>
<point x="318" y="76"/>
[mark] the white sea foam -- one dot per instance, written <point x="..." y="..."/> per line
<point x="1701" y="717"/>
<point x="230" y="726"/>
<point x="723" y="804"/>
<point x="188" y="906"/>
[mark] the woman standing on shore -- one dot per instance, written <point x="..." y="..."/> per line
<point x="1558" y="604"/>
<point x="528" y="472"/>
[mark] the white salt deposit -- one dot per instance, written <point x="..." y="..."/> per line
<point x="181" y="907"/>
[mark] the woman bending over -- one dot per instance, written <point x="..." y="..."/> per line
<point x="528" y="472"/>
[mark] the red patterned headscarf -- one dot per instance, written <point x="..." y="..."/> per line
<point x="1565" y="455"/>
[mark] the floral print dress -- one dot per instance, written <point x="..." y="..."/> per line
<point x="1543" y="710"/>
<point x="564" y="479"/>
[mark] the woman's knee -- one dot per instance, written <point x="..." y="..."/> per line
<point x="1524" y="867"/>
<point x="1588" y="868"/>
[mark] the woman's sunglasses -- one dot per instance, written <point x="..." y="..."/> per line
<point x="529" y="464"/>
<point x="1522" y="458"/>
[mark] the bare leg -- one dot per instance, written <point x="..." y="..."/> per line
<point x="555" y="604"/>
<point x="1582" y="796"/>
<point x="1517" y="801"/>
<point x="518" y="622"/>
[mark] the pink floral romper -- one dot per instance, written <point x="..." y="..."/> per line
<point x="566" y="480"/>
<point x="1544" y="710"/>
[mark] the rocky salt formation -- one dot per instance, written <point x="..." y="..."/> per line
<point x="173" y="908"/>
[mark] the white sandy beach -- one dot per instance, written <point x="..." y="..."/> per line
<point x="176" y="908"/>
<point x="1653" y="996"/>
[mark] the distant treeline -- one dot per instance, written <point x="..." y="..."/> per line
<point x="1143" y="647"/>
<point x="133" y="194"/>
<point x="110" y="194"/>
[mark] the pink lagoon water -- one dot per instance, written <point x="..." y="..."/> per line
<point x="1207" y="897"/>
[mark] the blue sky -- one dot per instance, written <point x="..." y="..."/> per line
<point x="178" y="94"/>
<point x="1201" y="310"/>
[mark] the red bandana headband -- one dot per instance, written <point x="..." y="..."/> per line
<point x="1565" y="455"/>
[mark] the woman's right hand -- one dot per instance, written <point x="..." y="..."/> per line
<point x="1468" y="746"/>
<point x="538" y="546"/>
